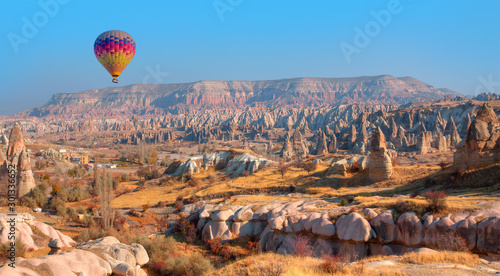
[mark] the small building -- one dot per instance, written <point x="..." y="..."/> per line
<point x="76" y="158"/>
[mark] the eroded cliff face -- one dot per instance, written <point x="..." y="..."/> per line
<point x="155" y="99"/>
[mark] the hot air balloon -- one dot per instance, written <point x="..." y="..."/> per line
<point x="114" y="50"/>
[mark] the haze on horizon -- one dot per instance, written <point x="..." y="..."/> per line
<point x="448" y="44"/>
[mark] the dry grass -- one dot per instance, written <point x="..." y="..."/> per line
<point x="270" y="263"/>
<point x="463" y="258"/>
<point x="264" y="181"/>
<point x="266" y="264"/>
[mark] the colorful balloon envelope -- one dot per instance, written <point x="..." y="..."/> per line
<point x="114" y="50"/>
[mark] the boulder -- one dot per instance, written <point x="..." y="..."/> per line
<point x="242" y="229"/>
<point x="488" y="235"/>
<point x="217" y="229"/>
<point x="276" y="222"/>
<point x="311" y="220"/>
<point x="322" y="247"/>
<point x="262" y="212"/>
<point x="55" y="246"/>
<point x="384" y="227"/>
<point x="386" y="251"/>
<point x="353" y="227"/>
<point x="467" y="229"/>
<point x="243" y="214"/>
<point x="73" y="262"/>
<point x="369" y="213"/>
<point x="133" y="254"/>
<point x="323" y="227"/>
<point x="223" y="215"/>
<point x="409" y="229"/>
<point x="297" y="222"/>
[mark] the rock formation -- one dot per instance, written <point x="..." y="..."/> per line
<point x="452" y="131"/>
<point x="481" y="147"/>
<point x="231" y="163"/>
<point x="423" y="143"/>
<point x="295" y="144"/>
<point x="52" y="154"/>
<point x="484" y="130"/>
<point x="277" y="224"/>
<point x="332" y="145"/>
<point x="342" y="166"/>
<point x="24" y="231"/>
<point x="104" y="256"/>
<point x="380" y="165"/>
<point x="18" y="157"/>
<point x="322" y="146"/>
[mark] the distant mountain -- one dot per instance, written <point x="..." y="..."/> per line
<point x="142" y="99"/>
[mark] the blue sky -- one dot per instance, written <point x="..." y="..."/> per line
<point x="453" y="44"/>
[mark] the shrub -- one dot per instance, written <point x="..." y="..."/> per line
<point x="310" y="166"/>
<point x="227" y="252"/>
<point x="332" y="264"/>
<point x="56" y="188"/>
<point x="125" y="177"/>
<point x="302" y="246"/>
<point x="73" y="214"/>
<point x="145" y="207"/>
<point x="77" y="193"/>
<point x="28" y="202"/>
<point x="61" y="210"/>
<point x="215" y="245"/>
<point x="194" y="182"/>
<point x="94" y="232"/>
<point x="283" y="169"/>
<point x="162" y="223"/>
<point x="253" y="246"/>
<point x="274" y="267"/>
<point x="21" y="248"/>
<point x="59" y="206"/>
<point x="178" y="205"/>
<point x="195" y="264"/>
<point x="81" y="210"/>
<point x="443" y="165"/>
<point x="343" y="202"/>
<point x="403" y="206"/>
<point x="162" y="251"/>
<point x="147" y="173"/>
<point x="436" y="200"/>
<point x="88" y="221"/>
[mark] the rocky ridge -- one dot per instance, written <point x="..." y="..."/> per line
<point x="369" y="232"/>
<point x="155" y="99"/>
